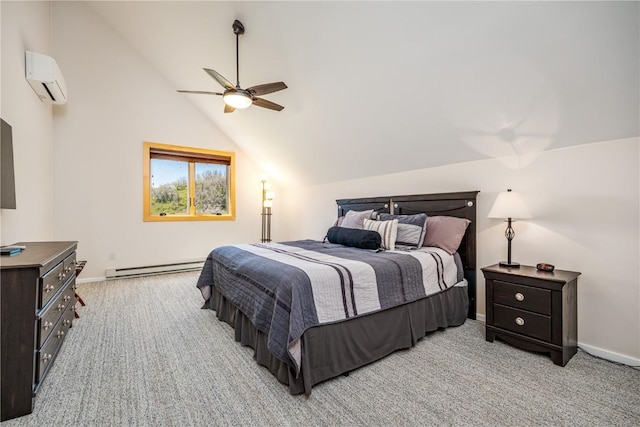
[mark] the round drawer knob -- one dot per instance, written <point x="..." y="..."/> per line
<point x="519" y="321"/>
<point x="519" y="297"/>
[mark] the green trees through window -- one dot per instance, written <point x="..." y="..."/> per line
<point x="211" y="189"/>
<point x="169" y="193"/>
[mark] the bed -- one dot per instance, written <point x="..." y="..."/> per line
<point x="273" y="295"/>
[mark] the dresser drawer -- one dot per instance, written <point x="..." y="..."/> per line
<point x="523" y="322"/>
<point x="69" y="265"/>
<point x="48" y="318"/>
<point x="50" y="283"/>
<point x="47" y="354"/>
<point x="522" y="297"/>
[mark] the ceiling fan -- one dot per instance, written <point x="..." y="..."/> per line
<point x="234" y="96"/>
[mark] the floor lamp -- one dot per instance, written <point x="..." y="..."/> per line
<point x="267" y="203"/>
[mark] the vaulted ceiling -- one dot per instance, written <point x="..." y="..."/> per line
<point x="383" y="87"/>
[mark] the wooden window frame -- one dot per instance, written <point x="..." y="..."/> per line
<point x="190" y="154"/>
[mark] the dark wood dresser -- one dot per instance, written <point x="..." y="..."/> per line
<point x="37" y="298"/>
<point x="534" y="310"/>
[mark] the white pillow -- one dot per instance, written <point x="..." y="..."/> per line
<point x="388" y="230"/>
<point x="355" y="219"/>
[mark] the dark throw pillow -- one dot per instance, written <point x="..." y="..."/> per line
<point x="363" y="239"/>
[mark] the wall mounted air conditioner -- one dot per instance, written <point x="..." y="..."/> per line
<point x="45" y="78"/>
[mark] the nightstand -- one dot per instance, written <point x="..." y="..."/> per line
<point x="533" y="310"/>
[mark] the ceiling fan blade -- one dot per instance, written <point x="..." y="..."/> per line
<point x="266" y="88"/>
<point x="267" y="104"/>
<point x="228" y="108"/>
<point x="218" y="77"/>
<point x="200" y="92"/>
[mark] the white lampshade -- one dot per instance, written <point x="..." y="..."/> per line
<point x="509" y="205"/>
<point x="268" y="199"/>
<point x="237" y="99"/>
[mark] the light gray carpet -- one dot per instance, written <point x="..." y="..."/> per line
<point x="144" y="353"/>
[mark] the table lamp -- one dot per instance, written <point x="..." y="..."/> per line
<point x="510" y="206"/>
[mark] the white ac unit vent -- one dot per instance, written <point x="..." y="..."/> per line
<point x="45" y="78"/>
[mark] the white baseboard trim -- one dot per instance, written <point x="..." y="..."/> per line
<point x="609" y="355"/>
<point x="91" y="279"/>
<point x="593" y="351"/>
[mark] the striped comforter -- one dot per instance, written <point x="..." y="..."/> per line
<point x="287" y="288"/>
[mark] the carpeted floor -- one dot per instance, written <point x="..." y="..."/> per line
<point x="144" y="353"/>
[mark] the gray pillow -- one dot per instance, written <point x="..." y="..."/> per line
<point x="355" y="219"/>
<point x="411" y="229"/>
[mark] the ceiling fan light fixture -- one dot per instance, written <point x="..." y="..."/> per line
<point x="237" y="99"/>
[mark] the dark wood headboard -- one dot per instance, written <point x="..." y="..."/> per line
<point x="461" y="205"/>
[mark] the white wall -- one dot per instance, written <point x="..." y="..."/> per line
<point x="26" y="26"/>
<point x="585" y="201"/>
<point x="117" y="101"/>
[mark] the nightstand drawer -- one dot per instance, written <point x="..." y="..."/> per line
<point x="522" y="297"/>
<point x="523" y="322"/>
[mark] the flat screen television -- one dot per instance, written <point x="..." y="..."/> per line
<point x="7" y="177"/>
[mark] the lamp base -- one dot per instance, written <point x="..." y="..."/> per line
<point x="509" y="264"/>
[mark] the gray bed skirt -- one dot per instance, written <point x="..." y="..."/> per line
<point x="334" y="349"/>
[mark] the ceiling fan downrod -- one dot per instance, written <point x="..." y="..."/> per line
<point x="238" y="29"/>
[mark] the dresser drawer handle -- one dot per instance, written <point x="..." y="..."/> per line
<point x="46" y="357"/>
<point x="47" y="325"/>
<point x="49" y="288"/>
<point x="519" y="297"/>
<point x="59" y="334"/>
<point x="519" y="321"/>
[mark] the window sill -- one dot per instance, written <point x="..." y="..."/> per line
<point x="173" y="218"/>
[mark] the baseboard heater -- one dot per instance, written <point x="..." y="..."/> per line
<point x="175" y="267"/>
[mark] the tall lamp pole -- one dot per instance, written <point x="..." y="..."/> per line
<point x="266" y="212"/>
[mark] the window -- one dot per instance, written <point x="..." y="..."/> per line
<point x="188" y="184"/>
